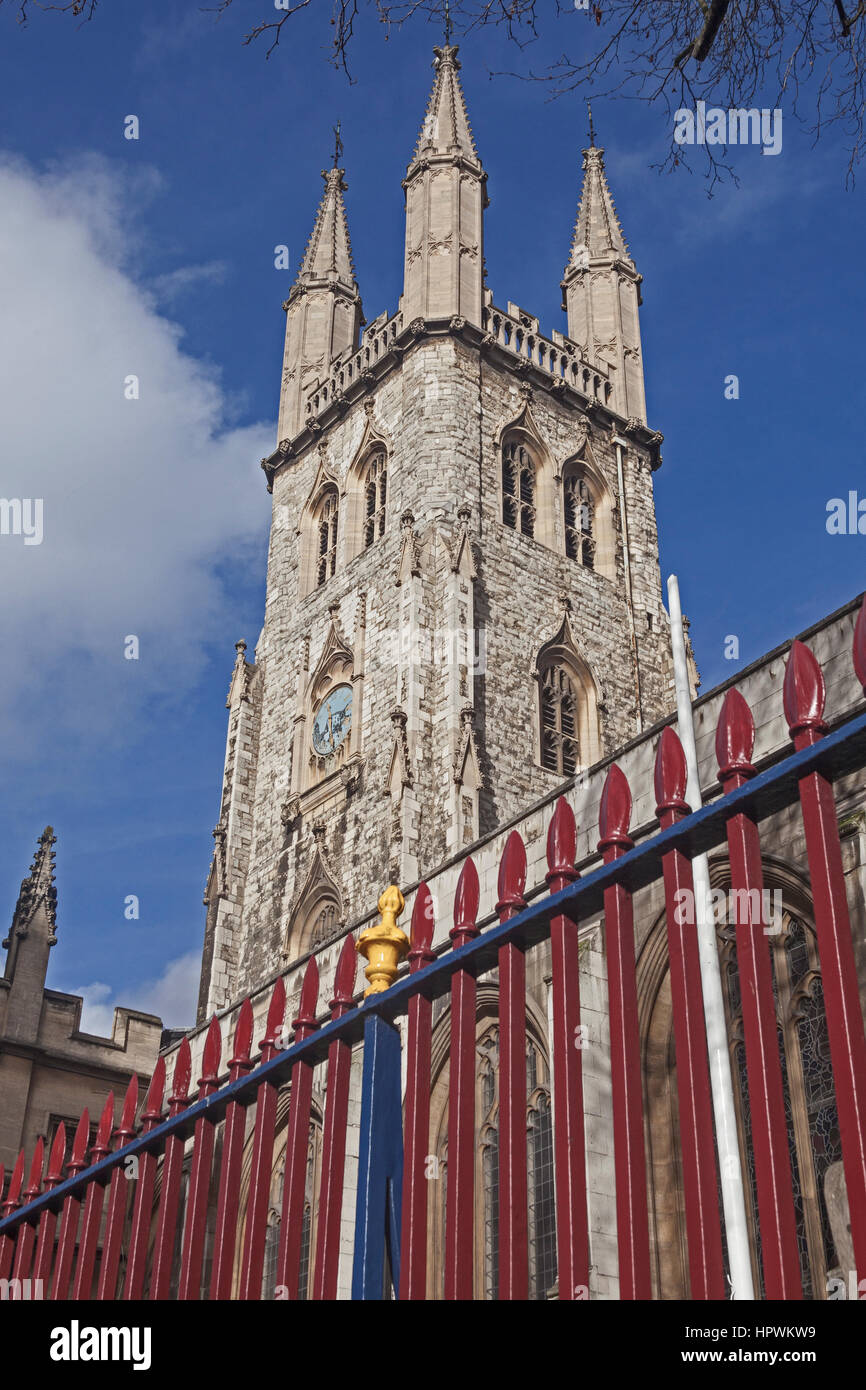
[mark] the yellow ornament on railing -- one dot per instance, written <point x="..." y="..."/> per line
<point x="384" y="944"/>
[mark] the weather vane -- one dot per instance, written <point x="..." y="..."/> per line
<point x="447" y="24"/>
<point x="338" y="144"/>
<point x="591" y="127"/>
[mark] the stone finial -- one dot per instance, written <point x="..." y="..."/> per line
<point x="384" y="944"/>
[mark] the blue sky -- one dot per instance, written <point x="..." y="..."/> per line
<point x="156" y="257"/>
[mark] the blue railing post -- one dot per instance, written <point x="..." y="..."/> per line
<point x="380" y="1163"/>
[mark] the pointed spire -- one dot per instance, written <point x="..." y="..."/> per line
<point x="598" y="229"/>
<point x="604" y="324"/>
<point x="446" y="194"/>
<point x="324" y="315"/>
<point x="446" y="128"/>
<point x="329" y="252"/>
<point x="38" y="888"/>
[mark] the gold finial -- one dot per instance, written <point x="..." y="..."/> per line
<point x="384" y="944"/>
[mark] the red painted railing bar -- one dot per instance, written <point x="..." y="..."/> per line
<point x="632" y="1211"/>
<point x="569" y="1147"/>
<point x="118" y="1191"/>
<point x="804" y="695"/>
<point x="413" y="1234"/>
<point x="71" y="1210"/>
<point x="172" y="1171"/>
<point x="460" y="1195"/>
<point x="225" y="1236"/>
<point x="327" y="1261"/>
<point x="27" y="1231"/>
<point x="195" y="1226"/>
<point x="142" y="1206"/>
<point x="513" y="1187"/>
<point x="297" y="1141"/>
<point x="252" y="1264"/>
<point x="13" y="1200"/>
<point x="93" y="1201"/>
<point x="703" y="1227"/>
<point x="48" y="1220"/>
<point x="735" y="740"/>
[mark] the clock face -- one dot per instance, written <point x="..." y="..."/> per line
<point x="333" y="721"/>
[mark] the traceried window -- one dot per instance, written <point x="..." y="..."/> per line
<point x="272" y="1232"/>
<point x="518" y="488"/>
<point x="324" y="924"/>
<point x="375" y="497"/>
<point x="810" y="1099"/>
<point x="541" y="1206"/>
<point x="326" y="531"/>
<point x="579" y="510"/>
<point x="560" y="751"/>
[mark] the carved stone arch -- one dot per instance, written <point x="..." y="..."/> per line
<point x="522" y="433"/>
<point x="317" y="913"/>
<point x="375" y="444"/>
<point x="655" y="1022"/>
<point x="596" y="547"/>
<point x="567" y="723"/>
<point x="324" y="496"/>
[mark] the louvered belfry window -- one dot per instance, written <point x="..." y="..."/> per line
<point x="375" y="497"/>
<point x="560" y="750"/>
<point x="579" y="540"/>
<point x="327" y="527"/>
<point x="518" y="488"/>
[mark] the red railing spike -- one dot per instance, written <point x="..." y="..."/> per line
<point x="35" y="1180"/>
<point x="860" y="645"/>
<point x="561" y="840"/>
<point x="15" y="1182"/>
<point x="735" y="735"/>
<point x="421" y="933"/>
<point x="310" y="989"/>
<point x="213" y="1048"/>
<point x="276" y="1013"/>
<point x="130" y="1105"/>
<point x="614" y="815"/>
<point x="182" y="1073"/>
<point x="671" y="772"/>
<point x="466" y="898"/>
<point x="155" y="1093"/>
<point x="512" y="871"/>
<point x="804" y="693"/>
<point x="106" y="1121"/>
<point x="243" y="1035"/>
<point x="79" y="1142"/>
<point x="57" y="1155"/>
<point x="346" y="972"/>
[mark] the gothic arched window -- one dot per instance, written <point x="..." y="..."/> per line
<point x="560" y="748"/>
<point x="579" y="507"/>
<point x="541" y="1205"/>
<point x="327" y="520"/>
<point x="325" y="922"/>
<point x="272" y="1232"/>
<point x="375" y="497"/>
<point x="518" y="487"/>
<point x="810" y="1098"/>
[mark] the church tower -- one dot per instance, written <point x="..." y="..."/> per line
<point x="464" y="605"/>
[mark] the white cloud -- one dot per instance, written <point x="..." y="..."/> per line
<point x="171" y="996"/>
<point x="142" y="499"/>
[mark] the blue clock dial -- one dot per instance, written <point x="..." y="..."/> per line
<point x="333" y="721"/>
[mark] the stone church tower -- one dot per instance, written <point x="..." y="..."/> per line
<point x="464" y="605"/>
